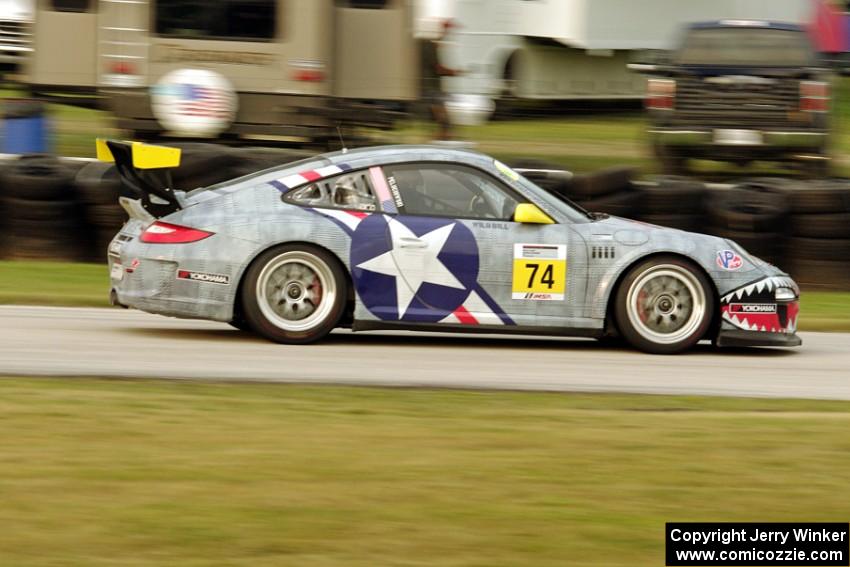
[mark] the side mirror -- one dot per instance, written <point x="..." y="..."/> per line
<point x="528" y="213"/>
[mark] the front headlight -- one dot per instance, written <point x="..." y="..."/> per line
<point x="784" y="294"/>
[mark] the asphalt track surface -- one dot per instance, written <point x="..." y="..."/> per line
<point x="54" y="341"/>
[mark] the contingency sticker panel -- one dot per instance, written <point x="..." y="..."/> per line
<point x="540" y="272"/>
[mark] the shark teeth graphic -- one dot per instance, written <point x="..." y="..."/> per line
<point x="769" y="284"/>
<point x="756" y="294"/>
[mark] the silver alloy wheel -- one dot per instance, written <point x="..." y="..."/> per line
<point x="296" y="291"/>
<point x="666" y="304"/>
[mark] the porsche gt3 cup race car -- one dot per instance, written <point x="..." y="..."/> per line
<point x="427" y="239"/>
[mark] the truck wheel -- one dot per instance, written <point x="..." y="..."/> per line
<point x="664" y="305"/>
<point x="294" y="294"/>
<point x="816" y="168"/>
<point x="671" y="163"/>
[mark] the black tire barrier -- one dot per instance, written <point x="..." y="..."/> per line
<point x="57" y="229"/>
<point x="821" y="249"/>
<point x="98" y="183"/>
<point x="202" y="165"/>
<point x="36" y="177"/>
<point x="542" y="180"/>
<point x="111" y="216"/>
<point x="825" y="225"/>
<point x="822" y="196"/>
<point x="44" y="248"/>
<point x="26" y="209"/>
<point x="750" y="207"/>
<point x="689" y="222"/>
<point x="603" y="182"/>
<point x="623" y="204"/>
<point x="819" y="274"/>
<point x="672" y="195"/>
<point x="769" y="246"/>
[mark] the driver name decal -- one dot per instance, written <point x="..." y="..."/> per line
<point x="539" y="272"/>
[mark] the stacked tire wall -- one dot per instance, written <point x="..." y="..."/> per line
<point x="68" y="209"/>
<point x="801" y="226"/>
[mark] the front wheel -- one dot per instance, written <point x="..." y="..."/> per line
<point x="294" y="294"/>
<point x="664" y="305"/>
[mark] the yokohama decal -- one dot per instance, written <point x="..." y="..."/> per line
<point x="221" y="279"/>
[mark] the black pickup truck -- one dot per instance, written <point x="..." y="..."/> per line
<point x="739" y="91"/>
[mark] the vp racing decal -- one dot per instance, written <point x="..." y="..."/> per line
<point x="539" y="272"/>
<point x="221" y="279"/>
<point x="728" y="260"/>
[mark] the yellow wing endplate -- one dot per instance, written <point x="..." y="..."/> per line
<point x="145" y="156"/>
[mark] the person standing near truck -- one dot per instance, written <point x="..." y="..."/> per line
<point x="433" y="71"/>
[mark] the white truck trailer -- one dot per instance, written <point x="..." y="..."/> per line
<point x="573" y="49"/>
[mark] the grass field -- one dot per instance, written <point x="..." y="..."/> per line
<point x="152" y="473"/>
<point x="74" y="284"/>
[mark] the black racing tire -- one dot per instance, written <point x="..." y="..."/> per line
<point x="555" y="185"/>
<point x="650" y="320"/>
<point x="667" y="195"/>
<point x="26" y="209"/>
<point x="57" y="230"/>
<point x="749" y="208"/>
<point x="40" y="247"/>
<point x="822" y="196"/>
<point x="816" y="168"/>
<point x="820" y="249"/>
<point x="688" y="222"/>
<point x="98" y="183"/>
<point x="304" y="271"/>
<point x="110" y="216"/>
<point x="36" y="177"/>
<point x="202" y="165"/>
<point x="827" y="225"/>
<point x="623" y="204"/>
<point x="252" y="160"/>
<point x="602" y="182"/>
<point x="671" y="163"/>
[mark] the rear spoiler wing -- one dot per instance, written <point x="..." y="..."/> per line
<point x="144" y="170"/>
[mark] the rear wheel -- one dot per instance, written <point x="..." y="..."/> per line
<point x="294" y="294"/>
<point x="664" y="306"/>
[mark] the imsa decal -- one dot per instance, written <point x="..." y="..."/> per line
<point x="221" y="279"/>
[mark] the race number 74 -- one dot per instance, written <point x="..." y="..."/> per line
<point x="539" y="272"/>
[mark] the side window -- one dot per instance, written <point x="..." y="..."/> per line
<point x="347" y="191"/>
<point x="445" y="190"/>
<point x="371" y="4"/>
<point x="71" y="5"/>
<point x="239" y="20"/>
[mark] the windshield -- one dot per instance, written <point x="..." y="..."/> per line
<point x="746" y="46"/>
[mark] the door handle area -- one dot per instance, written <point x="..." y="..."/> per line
<point x="407" y="242"/>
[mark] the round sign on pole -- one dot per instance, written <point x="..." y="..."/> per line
<point x="194" y="102"/>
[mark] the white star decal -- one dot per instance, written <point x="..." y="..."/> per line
<point x="413" y="261"/>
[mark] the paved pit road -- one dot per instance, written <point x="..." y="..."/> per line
<point x="53" y="341"/>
